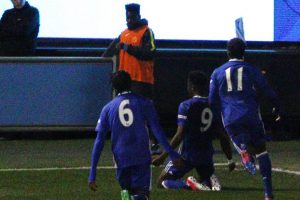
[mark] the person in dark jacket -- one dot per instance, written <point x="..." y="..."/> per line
<point x="19" y="28"/>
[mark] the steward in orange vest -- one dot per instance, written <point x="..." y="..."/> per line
<point x="136" y="49"/>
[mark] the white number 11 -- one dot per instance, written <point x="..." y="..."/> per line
<point x="239" y="79"/>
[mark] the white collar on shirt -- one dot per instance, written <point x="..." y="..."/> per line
<point x="235" y="59"/>
<point x="198" y="96"/>
<point x="125" y="92"/>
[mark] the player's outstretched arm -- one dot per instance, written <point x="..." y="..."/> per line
<point x="159" y="160"/>
<point x="97" y="149"/>
<point x="159" y="134"/>
<point x="102" y="129"/>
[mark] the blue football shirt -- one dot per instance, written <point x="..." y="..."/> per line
<point x="199" y="126"/>
<point x="126" y="117"/>
<point x="233" y="91"/>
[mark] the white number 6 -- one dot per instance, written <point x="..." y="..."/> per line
<point x="125" y="111"/>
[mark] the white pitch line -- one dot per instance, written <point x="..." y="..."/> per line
<point x="286" y="171"/>
<point x="273" y="169"/>
<point x="52" y="169"/>
<point x="112" y="167"/>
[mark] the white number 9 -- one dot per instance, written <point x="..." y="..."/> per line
<point x="206" y="119"/>
<point x="125" y="111"/>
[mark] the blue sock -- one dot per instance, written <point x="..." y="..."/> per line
<point x="265" y="168"/>
<point x="174" y="184"/>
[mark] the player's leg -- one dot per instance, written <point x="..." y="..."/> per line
<point x="170" y="177"/>
<point x="207" y="177"/>
<point x="265" y="168"/>
<point x="124" y="178"/>
<point x="240" y="138"/>
<point x="205" y="170"/>
<point x="136" y="180"/>
<point x="262" y="156"/>
<point x="140" y="195"/>
<point x="141" y="182"/>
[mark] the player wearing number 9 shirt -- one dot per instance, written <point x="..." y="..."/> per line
<point x="233" y="91"/>
<point x="196" y="128"/>
<point x="126" y="117"/>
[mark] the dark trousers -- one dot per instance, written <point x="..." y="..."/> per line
<point x="144" y="89"/>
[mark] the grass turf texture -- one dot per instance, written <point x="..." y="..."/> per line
<point x="72" y="184"/>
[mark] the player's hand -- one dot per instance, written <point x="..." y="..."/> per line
<point x="157" y="160"/>
<point x="93" y="186"/>
<point x="231" y="165"/>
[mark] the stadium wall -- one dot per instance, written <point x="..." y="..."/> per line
<point x="53" y="93"/>
<point x="280" y="61"/>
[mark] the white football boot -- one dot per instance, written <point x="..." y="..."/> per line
<point x="215" y="183"/>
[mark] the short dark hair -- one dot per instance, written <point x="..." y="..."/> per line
<point x="133" y="7"/>
<point x="198" y="79"/>
<point x="236" y="48"/>
<point x="121" y="81"/>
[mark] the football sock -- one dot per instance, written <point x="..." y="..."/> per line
<point x="265" y="168"/>
<point x="174" y="184"/>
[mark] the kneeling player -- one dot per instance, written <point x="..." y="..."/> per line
<point x="196" y="129"/>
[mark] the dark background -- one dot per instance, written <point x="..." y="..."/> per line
<point x="280" y="60"/>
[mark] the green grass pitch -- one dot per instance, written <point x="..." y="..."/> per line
<point x="42" y="178"/>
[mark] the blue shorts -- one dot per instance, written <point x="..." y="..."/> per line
<point x="204" y="170"/>
<point x="242" y="135"/>
<point x="136" y="177"/>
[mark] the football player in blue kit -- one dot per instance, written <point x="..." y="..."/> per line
<point x="196" y="128"/>
<point x="126" y="117"/>
<point x="234" y="88"/>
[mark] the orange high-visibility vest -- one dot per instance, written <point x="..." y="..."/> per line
<point x="139" y="70"/>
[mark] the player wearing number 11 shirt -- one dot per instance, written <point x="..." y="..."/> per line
<point x="126" y="117"/>
<point x="233" y="91"/>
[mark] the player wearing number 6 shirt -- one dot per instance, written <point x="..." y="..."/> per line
<point x="196" y="128"/>
<point x="126" y="117"/>
<point x="233" y="91"/>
